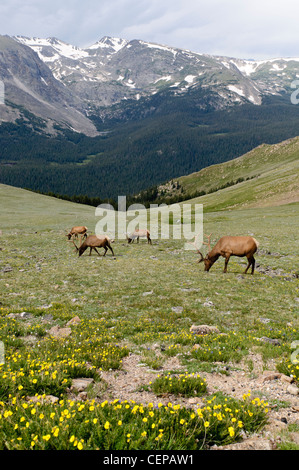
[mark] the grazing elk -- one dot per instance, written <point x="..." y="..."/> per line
<point x="229" y="246"/>
<point x="139" y="234"/>
<point x="93" y="242"/>
<point x="75" y="231"/>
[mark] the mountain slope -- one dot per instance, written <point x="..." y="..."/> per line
<point x="30" y="86"/>
<point x="72" y="86"/>
<point x="273" y="172"/>
<point x="268" y="176"/>
<point x="114" y="69"/>
<point x="177" y="139"/>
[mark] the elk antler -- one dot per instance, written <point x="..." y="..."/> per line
<point x="201" y="257"/>
<point x="75" y="244"/>
<point x="208" y="244"/>
<point x="197" y="250"/>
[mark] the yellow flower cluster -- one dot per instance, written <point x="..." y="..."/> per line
<point x="37" y="424"/>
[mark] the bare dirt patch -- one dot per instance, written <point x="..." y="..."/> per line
<point x="275" y="388"/>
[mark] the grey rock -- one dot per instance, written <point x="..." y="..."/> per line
<point x="203" y="329"/>
<point x="177" y="309"/>
<point x="58" y="332"/>
<point x="293" y="390"/>
<point x="81" y="384"/>
<point x="265" y="339"/>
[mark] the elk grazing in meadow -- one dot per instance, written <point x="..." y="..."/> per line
<point x="93" y="242"/>
<point x="75" y="231"/>
<point x="229" y="246"/>
<point x="139" y="233"/>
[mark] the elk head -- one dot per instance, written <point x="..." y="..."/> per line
<point x="207" y="261"/>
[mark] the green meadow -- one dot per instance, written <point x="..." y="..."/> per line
<point x="143" y="296"/>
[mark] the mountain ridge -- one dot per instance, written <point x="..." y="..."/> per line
<point x="113" y="71"/>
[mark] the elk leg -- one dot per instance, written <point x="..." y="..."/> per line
<point x="251" y="262"/>
<point x="97" y="251"/>
<point x="90" y="250"/>
<point x="226" y="263"/>
<point x="252" y="265"/>
<point x="110" y="248"/>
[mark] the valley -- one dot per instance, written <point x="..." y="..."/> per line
<point x="132" y="129"/>
<point x="141" y="349"/>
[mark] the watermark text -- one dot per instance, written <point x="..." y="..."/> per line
<point x="164" y="222"/>
<point x="2" y="97"/>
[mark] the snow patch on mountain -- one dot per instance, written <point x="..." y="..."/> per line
<point x="106" y="42"/>
<point x="44" y="47"/>
<point x="159" y="46"/>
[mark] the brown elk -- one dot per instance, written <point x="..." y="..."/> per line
<point x="93" y="242"/>
<point x="229" y="246"/>
<point x="139" y="233"/>
<point x="75" y="231"/>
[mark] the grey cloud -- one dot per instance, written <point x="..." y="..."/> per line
<point x="256" y="29"/>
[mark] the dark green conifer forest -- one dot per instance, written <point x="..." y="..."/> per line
<point x="136" y="153"/>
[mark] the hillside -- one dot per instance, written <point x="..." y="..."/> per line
<point x="267" y="175"/>
<point x="20" y="208"/>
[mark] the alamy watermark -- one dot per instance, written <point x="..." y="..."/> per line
<point x="178" y="222"/>
<point x="295" y="94"/>
<point x="2" y="353"/>
<point x="2" y="97"/>
<point x="295" y="354"/>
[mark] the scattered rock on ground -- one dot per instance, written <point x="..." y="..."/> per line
<point x="254" y="443"/>
<point x="203" y="329"/>
<point x="58" y="332"/>
<point x="264" y="339"/>
<point x="43" y="399"/>
<point x="177" y="309"/>
<point x="81" y="384"/>
<point x="74" y="321"/>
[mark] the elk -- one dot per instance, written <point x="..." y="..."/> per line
<point x="75" y="231"/>
<point x="93" y="242"/>
<point x="139" y="233"/>
<point x="229" y="246"/>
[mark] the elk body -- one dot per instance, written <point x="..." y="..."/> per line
<point x="229" y="246"/>
<point x="139" y="234"/>
<point x="93" y="242"/>
<point x="75" y="231"/>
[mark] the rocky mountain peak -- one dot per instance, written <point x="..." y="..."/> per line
<point x="115" y="70"/>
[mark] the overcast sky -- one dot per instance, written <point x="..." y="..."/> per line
<point x="237" y="28"/>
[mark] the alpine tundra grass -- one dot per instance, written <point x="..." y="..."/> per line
<point x="143" y="300"/>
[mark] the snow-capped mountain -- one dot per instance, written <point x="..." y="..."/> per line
<point x="116" y="69"/>
<point x="67" y="84"/>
